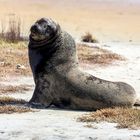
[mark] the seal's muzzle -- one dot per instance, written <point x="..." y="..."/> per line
<point x="35" y="28"/>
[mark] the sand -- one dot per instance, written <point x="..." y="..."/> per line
<point x="58" y="125"/>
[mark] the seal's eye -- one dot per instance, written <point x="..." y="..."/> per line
<point x="45" y="26"/>
<point x="48" y="28"/>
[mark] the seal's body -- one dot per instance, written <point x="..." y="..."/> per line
<point x="58" y="78"/>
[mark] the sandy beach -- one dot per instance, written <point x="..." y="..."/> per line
<point x="116" y="25"/>
<point x="50" y="124"/>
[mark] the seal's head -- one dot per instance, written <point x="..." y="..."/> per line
<point x="43" y="30"/>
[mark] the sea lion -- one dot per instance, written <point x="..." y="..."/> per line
<point x="58" y="79"/>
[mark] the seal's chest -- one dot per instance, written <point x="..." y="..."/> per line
<point x="34" y="59"/>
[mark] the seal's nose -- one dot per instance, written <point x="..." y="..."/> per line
<point x="35" y="28"/>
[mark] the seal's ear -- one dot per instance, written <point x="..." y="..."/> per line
<point x="53" y="21"/>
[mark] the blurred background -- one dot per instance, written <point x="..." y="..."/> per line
<point x="108" y="20"/>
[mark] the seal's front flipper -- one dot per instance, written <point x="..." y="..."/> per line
<point x="41" y="97"/>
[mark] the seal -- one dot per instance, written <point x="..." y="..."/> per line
<point x="58" y="78"/>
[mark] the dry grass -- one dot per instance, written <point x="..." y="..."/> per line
<point x="14" y="89"/>
<point x="8" y="109"/>
<point x="89" y="38"/>
<point x="96" y="55"/>
<point x="125" y="117"/>
<point x="12" y="54"/>
<point x="10" y="105"/>
<point x="13" y="32"/>
<point x="91" y="126"/>
<point x="11" y="101"/>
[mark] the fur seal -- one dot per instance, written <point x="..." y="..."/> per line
<point x="58" y="78"/>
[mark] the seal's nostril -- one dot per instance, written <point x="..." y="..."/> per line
<point x="34" y="28"/>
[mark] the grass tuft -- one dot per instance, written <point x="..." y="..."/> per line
<point x="12" y="54"/>
<point x="11" y="101"/>
<point x="96" y="55"/>
<point x="14" y="89"/>
<point x="8" y="109"/>
<point x="12" y="34"/>
<point x="11" y="105"/>
<point x="89" y="38"/>
<point x="124" y="117"/>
